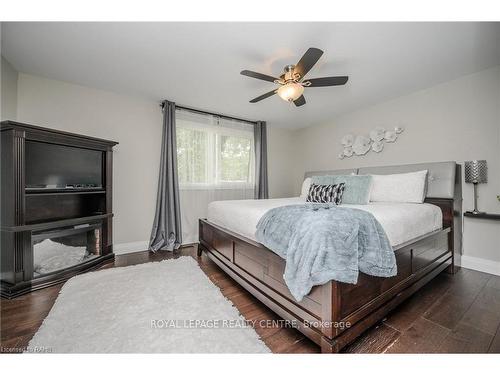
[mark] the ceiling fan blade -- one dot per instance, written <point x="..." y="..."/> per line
<point x="264" y="77"/>
<point x="307" y="61"/>
<point x="300" y="101"/>
<point x="326" y="81"/>
<point x="264" y="96"/>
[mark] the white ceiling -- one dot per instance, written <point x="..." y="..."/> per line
<point x="198" y="64"/>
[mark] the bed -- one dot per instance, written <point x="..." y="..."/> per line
<point x="426" y="239"/>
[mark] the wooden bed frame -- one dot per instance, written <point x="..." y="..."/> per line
<point x="334" y="314"/>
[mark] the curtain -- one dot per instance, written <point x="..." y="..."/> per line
<point x="216" y="161"/>
<point x="167" y="229"/>
<point x="261" y="184"/>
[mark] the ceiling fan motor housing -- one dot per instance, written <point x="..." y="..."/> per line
<point x="290" y="74"/>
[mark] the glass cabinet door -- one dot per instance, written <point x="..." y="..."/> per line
<point x="55" y="250"/>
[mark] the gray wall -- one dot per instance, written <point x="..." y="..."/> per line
<point x="136" y="124"/>
<point x="8" y="79"/>
<point x="458" y="120"/>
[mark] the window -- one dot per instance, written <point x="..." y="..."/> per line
<point x="214" y="153"/>
<point x="235" y="159"/>
<point x="192" y="148"/>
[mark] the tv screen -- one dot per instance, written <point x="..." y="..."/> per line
<point x="50" y="166"/>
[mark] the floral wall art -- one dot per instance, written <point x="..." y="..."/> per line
<point x="359" y="145"/>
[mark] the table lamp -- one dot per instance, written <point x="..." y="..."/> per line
<point x="476" y="172"/>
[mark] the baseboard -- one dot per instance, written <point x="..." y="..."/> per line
<point x="136" y="247"/>
<point x="480" y="264"/>
<point x="130" y="247"/>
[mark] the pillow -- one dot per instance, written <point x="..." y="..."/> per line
<point x="357" y="188"/>
<point x="325" y="193"/>
<point x="305" y="187"/>
<point x="401" y="188"/>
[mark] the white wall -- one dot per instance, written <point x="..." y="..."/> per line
<point x="458" y="120"/>
<point x="8" y="78"/>
<point x="280" y="160"/>
<point x="136" y="124"/>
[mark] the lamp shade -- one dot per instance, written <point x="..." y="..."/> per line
<point x="476" y="171"/>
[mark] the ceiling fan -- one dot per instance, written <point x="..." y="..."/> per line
<point x="292" y="81"/>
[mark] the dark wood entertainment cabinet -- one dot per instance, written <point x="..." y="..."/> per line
<point x="30" y="215"/>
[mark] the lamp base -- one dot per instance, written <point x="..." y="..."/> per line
<point x="475" y="211"/>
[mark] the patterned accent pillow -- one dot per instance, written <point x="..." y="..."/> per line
<point x="326" y="193"/>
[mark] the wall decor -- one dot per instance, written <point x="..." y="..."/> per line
<point x="359" y="145"/>
<point x="348" y="151"/>
<point x="377" y="134"/>
<point x="377" y="146"/>
<point x="390" y="136"/>
<point x="348" y="140"/>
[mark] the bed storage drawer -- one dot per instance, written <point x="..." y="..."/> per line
<point x="273" y="276"/>
<point x="223" y="244"/>
<point x="356" y="295"/>
<point x="426" y="251"/>
<point x="369" y="287"/>
<point x="250" y="259"/>
<point x="268" y="267"/>
<point x="403" y="261"/>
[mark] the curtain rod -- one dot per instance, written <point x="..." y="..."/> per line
<point x="211" y="113"/>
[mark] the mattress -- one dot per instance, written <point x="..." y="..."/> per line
<point x="402" y="222"/>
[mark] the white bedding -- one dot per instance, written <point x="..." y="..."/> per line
<point x="402" y="222"/>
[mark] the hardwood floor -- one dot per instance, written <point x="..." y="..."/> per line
<point x="452" y="314"/>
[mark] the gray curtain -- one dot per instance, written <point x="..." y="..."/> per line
<point x="167" y="232"/>
<point x="261" y="185"/>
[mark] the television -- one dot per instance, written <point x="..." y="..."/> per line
<point x="52" y="166"/>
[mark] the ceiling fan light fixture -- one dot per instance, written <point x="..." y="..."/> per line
<point x="290" y="91"/>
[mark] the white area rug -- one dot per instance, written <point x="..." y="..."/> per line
<point x="133" y="310"/>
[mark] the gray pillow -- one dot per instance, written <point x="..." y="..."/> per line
<point x="357" y="187"/>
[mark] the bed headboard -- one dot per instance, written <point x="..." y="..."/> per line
<point x="332" y="172"/>
<point x="443" y="179"/>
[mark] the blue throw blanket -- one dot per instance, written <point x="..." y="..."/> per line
<point x="323" y="242"/>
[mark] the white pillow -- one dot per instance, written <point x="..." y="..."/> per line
<point x="401" y="188"/>
<point x="305" y="187"/>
